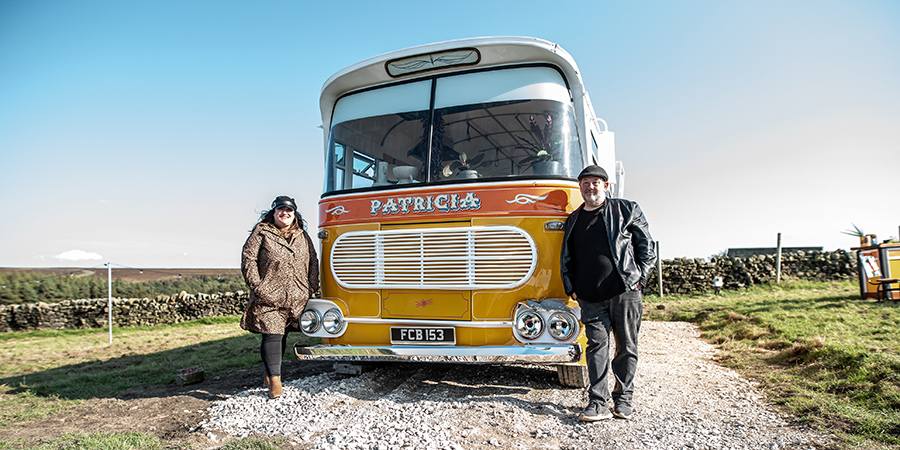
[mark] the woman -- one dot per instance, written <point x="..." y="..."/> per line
<point x="280" y="266"/>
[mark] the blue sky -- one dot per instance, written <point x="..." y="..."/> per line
<point x="150" y="134"/>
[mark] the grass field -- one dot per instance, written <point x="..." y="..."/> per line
<point x="817" y="349"/>
<point x="42" y="372"/>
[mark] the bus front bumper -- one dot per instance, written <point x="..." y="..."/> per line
<point x="522" y="354"/>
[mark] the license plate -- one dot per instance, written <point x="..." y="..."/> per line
<point x="423" y="335"/>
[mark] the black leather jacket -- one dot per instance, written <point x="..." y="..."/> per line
<point x="632" y="247"/>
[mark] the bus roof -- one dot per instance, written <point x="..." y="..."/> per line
<point x="493" y="52"/>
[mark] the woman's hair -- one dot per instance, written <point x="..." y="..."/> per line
<point x="298" y="224"/>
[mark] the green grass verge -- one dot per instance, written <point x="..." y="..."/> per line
<point x="80" y="364"/>
<point x="44" y="371"/>
<point x="135" y="441"/>
<point x="103" y="441"/>
<point x="826" y="355"/>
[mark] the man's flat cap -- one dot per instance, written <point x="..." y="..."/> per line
<point x="593" y="171"/>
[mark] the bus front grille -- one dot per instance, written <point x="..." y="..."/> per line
<point x="487" y="257"/>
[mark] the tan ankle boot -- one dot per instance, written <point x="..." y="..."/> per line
<point x="274" y="387"/>
<point x="266" y="380"/>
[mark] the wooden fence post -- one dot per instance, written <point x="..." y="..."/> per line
<point x="659" y="269"/>
<point x="778" y="261"/>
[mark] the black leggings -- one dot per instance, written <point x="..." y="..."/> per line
<point x="272" y="351"/>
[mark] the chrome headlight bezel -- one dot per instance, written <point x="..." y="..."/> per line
<point x="560" y="321"/>
<point x="529" y="324"/>
<point x="320" y="307"/>
<point x="561" y="325"/>
<point x="312" y="321"/>
<point x="333" y="321"/>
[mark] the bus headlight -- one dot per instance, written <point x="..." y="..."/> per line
<point x="529" y="324"/>
<point x="561" y="325"/>
<point x="310" y="321"/>
<point x="332" y="320"/>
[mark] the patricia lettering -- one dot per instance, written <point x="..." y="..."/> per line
<point x="426" y="204"/>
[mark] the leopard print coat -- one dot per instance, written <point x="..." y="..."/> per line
<point x="282" y="274"/>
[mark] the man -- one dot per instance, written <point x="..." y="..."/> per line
<point x="607" y="258"/>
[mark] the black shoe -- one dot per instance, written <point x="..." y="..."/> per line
<point x="596" y="410"/>
<point x="622" y="411"/>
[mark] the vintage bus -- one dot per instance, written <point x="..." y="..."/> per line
<point x="449" y="171"/>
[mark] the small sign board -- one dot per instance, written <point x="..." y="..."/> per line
<point x="870" y="266"/>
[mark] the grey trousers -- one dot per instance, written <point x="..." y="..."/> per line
<point x="622" y="316"/>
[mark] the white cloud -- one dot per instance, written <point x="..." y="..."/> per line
<point x="78" y="255"/>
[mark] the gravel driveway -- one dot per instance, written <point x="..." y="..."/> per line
<point x="683" y="400"/>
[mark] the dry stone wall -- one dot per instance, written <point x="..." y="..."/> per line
<point x="684" y="276"/>
<point x="680" y="276"/>
<point x="78" y="314"/>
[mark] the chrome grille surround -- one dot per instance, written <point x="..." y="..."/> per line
<point x="461" y="258"/>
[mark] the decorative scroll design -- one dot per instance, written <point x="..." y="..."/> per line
<point x="337" y="210"/>
<point x="526" y="199"/>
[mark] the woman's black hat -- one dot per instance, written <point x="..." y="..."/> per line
<point x="283" y="201"/>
